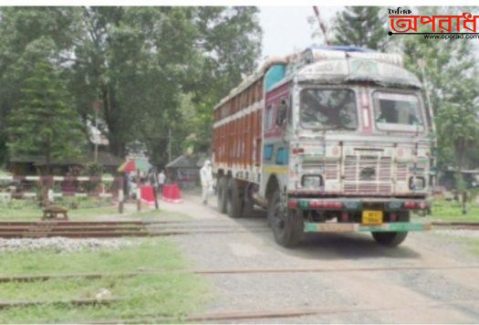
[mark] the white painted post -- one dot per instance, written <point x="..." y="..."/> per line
<point x="120" y="200"/>
<point x="138" y="191"/>
<point x="50" y="196"/>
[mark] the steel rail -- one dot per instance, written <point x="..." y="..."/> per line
<point x="75" y="302"/>
<point x="462" y="225"/>
<point x="106" y="229"/>
<point x="46" y="277"/>
<point x="241" y="315"/>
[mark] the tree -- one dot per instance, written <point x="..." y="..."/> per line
<point x="361" y="26"/>
<point x="138" y="63"/>
<point x="449" y="72"/>
<point x="230" y="44"/>
<point x="141" y="62"/>
<point x="44" y="124"/>
<point x="28" y="34"/>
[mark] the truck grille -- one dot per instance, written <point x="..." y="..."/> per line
<point x="329" y="169"/>
<point x="367" y="174"/>
<point x="401" y="171"/>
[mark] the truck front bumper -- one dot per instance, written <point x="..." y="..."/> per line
<point x="357" y="227"/>
<point x="354" y="204"/>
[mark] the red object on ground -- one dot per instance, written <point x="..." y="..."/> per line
<point x="130" y="166"/>
<point x="147" y="194"/>
<point x="171" y="193"/>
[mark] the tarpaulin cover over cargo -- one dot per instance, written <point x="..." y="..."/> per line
<point x="134" y="164"/>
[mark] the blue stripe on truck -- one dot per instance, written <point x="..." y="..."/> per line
<point x="357" y="227"/>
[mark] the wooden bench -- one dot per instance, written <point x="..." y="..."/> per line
<point x="52" y="212"/>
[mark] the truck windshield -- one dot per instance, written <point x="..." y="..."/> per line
<point x="328" y="109"/>
<point x="397" y="111"/>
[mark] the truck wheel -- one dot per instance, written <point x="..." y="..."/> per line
<point x="390" y="239"/>
<point x="221" y="194"/>
<point x="287" y="224"/>
<point x="234" y="202"/>
<point x="248" y="203"/>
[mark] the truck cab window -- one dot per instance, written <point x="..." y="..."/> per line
<point x="397" y="111"/>
<point x="328" y="109"/>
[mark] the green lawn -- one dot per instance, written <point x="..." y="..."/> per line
<point x="452" y="211"/>
<point x="87" y="209"/>
<point x="34" y="213"/>
<point x="169" y="293"/>
<point x="28" y="209"/>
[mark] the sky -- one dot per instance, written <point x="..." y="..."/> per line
<point x="286" y="29"/>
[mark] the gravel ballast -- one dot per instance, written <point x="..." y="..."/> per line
<point x="61" y="244"/>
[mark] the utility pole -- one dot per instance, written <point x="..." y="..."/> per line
<point x="322" y="25"/>
<point x="169" y="145"/>
<point x="99" y="135"/>
<point x="422" y="65"/>
<point x="96" y="133"/>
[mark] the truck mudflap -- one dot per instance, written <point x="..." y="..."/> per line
<point x="357" y="227"/>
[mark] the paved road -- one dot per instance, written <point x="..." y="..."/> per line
<point x="376" y="296"/>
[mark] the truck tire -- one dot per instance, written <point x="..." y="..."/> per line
<point x="390" y="239"/>
<point x="234" y="199"/>
<point x="248" y="203"/>
<point x="221" y="194"/>
<point x="287" y="225"/>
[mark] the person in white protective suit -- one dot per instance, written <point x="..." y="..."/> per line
<point x="206" y="176"/>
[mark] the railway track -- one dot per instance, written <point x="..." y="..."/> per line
<point x="237" y="316"/>
<point x="138" y="228"/>
<point x="108" y="229"/>
<point x="230" y="315"/>
<point x="74" y="302"/>
<point x="457" y="225"/>
<point x="206" y="272"/>
<point x="227" y="316"/>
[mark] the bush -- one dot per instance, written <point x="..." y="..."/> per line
<point x="84" y="202"/>
<point x="19" y="204"/>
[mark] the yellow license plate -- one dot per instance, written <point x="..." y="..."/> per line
<point x="371" y="217"/>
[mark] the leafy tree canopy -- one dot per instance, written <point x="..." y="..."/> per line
<point x="361" y="26"/>
<point x="45" y="124"/>
<point x="138" y="64"/>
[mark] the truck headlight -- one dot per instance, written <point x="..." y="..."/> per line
<point x="417" y="183"/>
<point x="312" y="181"/>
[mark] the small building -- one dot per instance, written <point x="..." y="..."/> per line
<point x="185" y="170"/>
<point x="447" y="178"/>
<point x="35" y="165"/>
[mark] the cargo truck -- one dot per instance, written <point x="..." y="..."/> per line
<point x="331" y="139"/>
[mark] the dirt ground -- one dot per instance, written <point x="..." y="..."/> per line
<point x="447" y="292"/>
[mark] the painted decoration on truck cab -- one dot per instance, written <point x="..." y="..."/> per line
<point x="277" y="112"/>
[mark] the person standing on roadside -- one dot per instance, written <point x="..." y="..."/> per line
<point x="161" y="181"/>
<point x="206" y="176"/>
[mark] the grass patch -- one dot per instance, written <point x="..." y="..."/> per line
<point x="13" y="210"/>
<point x="452" y="211"/>
<point x="151" y="254"/>
<point x="171" y="293"/>
<point x="28" y="210"/>
<point x="88" y="209"/>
